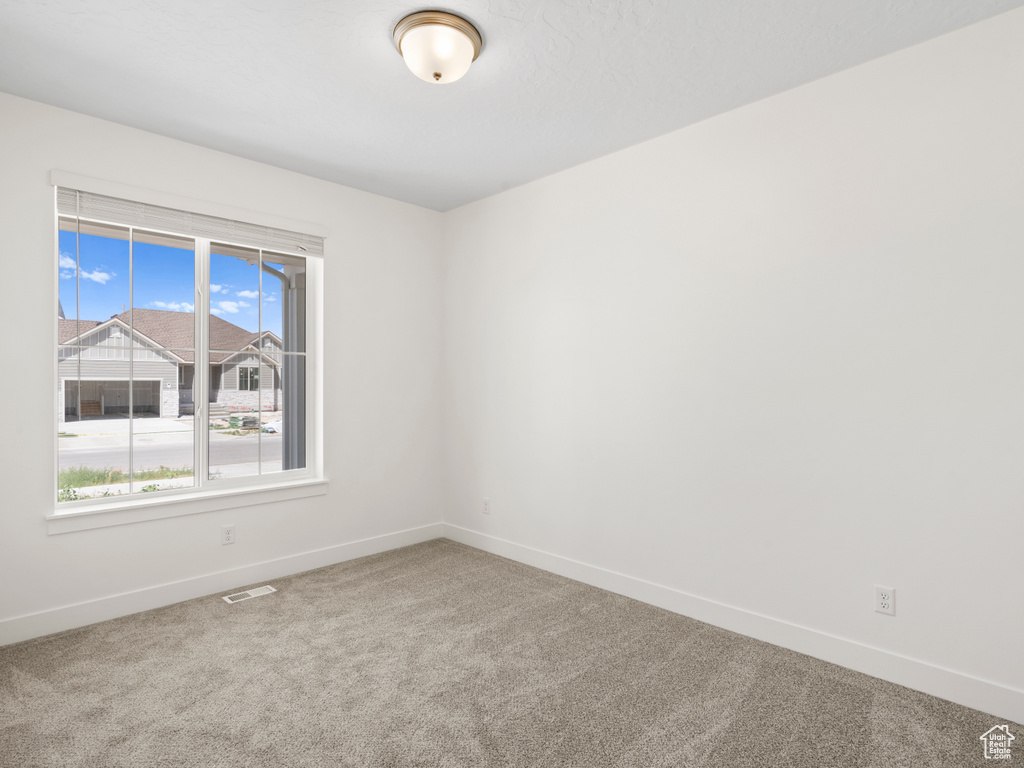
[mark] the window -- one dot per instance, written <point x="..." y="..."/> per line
<point x="249" y="378"/>
<point x="182" y="351"/>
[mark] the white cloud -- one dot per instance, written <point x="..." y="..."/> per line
<point x="244" y="304"/>
<point x="98" y="277"/>
<point x="270" y="298"/>
<point x="231" y="307"/>
<point x="247" y="294"/>
<point x="173" y="306"/>
<point x="215" y="311"/>
<point x="68" y="268"/>
<point x="214" y="288"/>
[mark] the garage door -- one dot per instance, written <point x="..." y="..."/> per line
<point x="110" y="397"/>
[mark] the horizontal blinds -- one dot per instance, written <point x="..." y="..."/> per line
<point x="88" y="205"/>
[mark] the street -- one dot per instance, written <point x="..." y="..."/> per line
<point x="170" y="449"/>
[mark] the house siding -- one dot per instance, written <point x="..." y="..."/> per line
<point x="119" y="370"/>
<point x="229" y="380"/>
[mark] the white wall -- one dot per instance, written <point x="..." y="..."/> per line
<point x="755" y="366"/>
<point x="382" y="414"/>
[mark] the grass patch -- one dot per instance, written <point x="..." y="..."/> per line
<point x="82" y="477"/>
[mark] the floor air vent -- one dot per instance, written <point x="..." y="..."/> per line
<point x="240" y="596"/>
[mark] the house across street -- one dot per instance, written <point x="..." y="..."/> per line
<point x="155" y="349"/>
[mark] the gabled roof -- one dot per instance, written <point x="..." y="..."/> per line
<point x="252" y="349"/>
<point x="69" y="329"/>
<point x="89" y="327"/>
<point x="172" y="330"/>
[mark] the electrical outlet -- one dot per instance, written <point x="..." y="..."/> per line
<point x="227" y="534"/>
<point x="885" y="600"/>
<point x="486" y="508"/>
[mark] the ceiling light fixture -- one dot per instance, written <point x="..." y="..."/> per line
<point x="438" y="47"/>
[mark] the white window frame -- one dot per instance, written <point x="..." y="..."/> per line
<point x="228" y="493"/>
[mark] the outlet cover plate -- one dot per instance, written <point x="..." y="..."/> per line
<point x="885" y="600"/>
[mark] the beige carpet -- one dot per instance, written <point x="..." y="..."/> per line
<point x="442" y="655"/>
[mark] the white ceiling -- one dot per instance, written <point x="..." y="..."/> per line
<point x="316" y="86"/>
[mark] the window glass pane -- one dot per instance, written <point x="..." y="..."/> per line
<point x="163" y="293"/>
<point x="68" y="405"/>
<point x="284" y="426"/>
<point x="284" y="303"/>
<point x="67" y="270"/>
<point x="163" y="455"/>
<point x="163" y="441"/>
<point x="234" y="297"/>
<point x="92" y="381"/>
<point x="234" y="427"/>
<point x="92" y="445"/>
<point x="104" y="292"/>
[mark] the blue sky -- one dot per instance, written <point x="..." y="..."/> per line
<point x="164" y="279"/>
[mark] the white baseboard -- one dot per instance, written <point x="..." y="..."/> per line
<point x="32" y="625"/>
<point x="958" y="687"/>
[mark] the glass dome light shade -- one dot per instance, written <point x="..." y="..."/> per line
<point x="437" y="47"/>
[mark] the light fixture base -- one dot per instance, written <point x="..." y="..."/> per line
<point x="422" y="18"/>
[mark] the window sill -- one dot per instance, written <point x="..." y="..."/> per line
<point x="139" y="510"/>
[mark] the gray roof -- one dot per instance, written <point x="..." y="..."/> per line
<point x="68" y="329"/>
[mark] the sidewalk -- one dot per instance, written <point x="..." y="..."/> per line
<point x="118" y="425"/>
